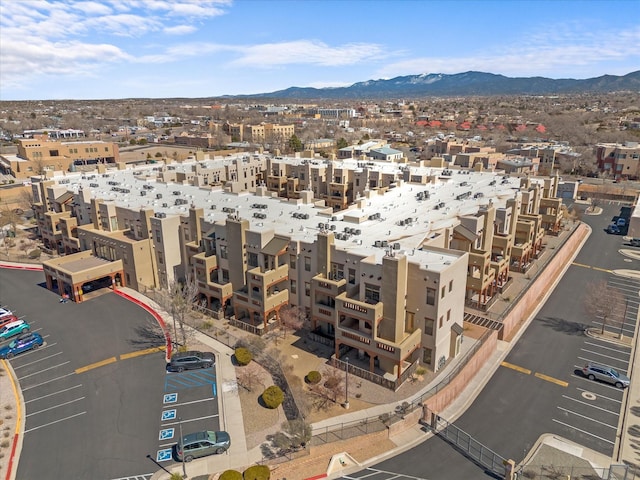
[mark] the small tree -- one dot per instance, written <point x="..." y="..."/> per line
<point x="295" y="143"/>
<point x="249" y="378"/>
<point x="291" y="317"/>
<point x="603" y="301"/>
<point x="178" y="300"/>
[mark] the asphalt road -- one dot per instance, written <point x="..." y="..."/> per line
<point x="93" y="394"/>
<point x="540" y="391"/>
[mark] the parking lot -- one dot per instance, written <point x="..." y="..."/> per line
<point x="190" y="403"/>
<point x="589" y="411"/>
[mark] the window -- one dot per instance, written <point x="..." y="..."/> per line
<point x="223" y="251"/>
<point x="294" y="287"/>
<point x="352" y="276"/>
<point x="431" y="296"/>
<point x="225" y="275"/>
<point x="252" y="259"/>
<point x="307" y="289"/>
<point x="307" y="264"/>
<point x="292" y="262"/>
<point x="448" y="315"/>
<point x="428" y="326"/>
<point x="440" y="321"/>
<point x="409" y="323"/>
<point x="450" y="285"/>
<point x="442" y="293"/>
<point x="371" y="293"/>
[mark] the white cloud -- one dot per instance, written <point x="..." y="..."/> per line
<point x="306" y="52"/>
<point x="180" y="30"/>
<point x="536" y="55"/>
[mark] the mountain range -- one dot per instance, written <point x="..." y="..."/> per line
<point x="459" y="84"/>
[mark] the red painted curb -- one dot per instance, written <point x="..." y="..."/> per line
<point x="13" y="452"/>
<point x="156" y="315"/>
<point x="317" y="477"/>
<point x="21" y="267"/>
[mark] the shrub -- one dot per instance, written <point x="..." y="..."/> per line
<point x="272" y="397"/>
<point x="230" y="475"/>
<point x="35" y="253"/>
<point x="314" y="377"/>
<point x="257" y="472"/>
<point x="243" y="356"/>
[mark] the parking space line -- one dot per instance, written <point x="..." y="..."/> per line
<point x="582" y="431"/>
<point x="190" y="420"/>
<point x="516" y="368"/>
<point x="190" y="403"/>
<point x="52" y="394"/>
<point x="615" y="427"/>
<point x="139" y="353"/>
<point x="605" y="356"/>
<point x="547" y="378"/>
<point x="48" y="381"/>
<point x="55" y="406"/>
<point x="44" y="370"/>
<point x="54" y="422"/>
<point x="604" y="347"/>
<point x="600" y="396"/>
<point x="96" y="365"/>
<point x="36" y="361"/>
<point x="617" y="414"/>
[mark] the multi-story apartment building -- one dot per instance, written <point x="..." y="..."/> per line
<point x="41" y="156"/>
<point x="385" y="269"/>
<point x="260" y="133"/>
<point x="619" y="160"/>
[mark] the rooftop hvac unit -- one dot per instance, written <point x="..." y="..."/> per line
<point x="165" y="205"/>
<point x="334" y="218"/>
<point x="358" y="231"/>
<point x="333" y="227"/>
<point x="158" y="195"/>
<point x="161" y="215"/>
<point x="378" y="243"/>
<point x="326" y="226"/>
<point x="213" y="207"/>
<point x="396" y="246"/>
<point x="143" y="193"/>
<point x="321" y="225"/>
<point x="401" y="223"/>
<point x="384" y="243"/>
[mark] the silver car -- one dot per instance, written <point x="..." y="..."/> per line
<point x="605" y="374"/>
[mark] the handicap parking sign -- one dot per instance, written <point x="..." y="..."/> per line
<point x="169" y="415"/>
<point x="166" y="434"/>
<point x="163" y="455"/>
<point x="170" y="398"/>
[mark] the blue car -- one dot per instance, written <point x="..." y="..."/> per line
<point x="24" y="343"/>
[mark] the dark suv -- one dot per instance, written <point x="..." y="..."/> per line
<point x="189" y="360"/>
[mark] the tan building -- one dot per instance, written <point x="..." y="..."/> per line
<point x="39" y="155"/>
<point x="619" y="160"/>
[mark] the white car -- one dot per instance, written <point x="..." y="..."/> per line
<point x="5" y="312"/>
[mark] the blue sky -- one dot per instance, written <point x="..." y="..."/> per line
<point x="72" y="49"/>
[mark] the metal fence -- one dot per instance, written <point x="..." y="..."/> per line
<point x="470" y="447"/>
<point x="346" y="430"/>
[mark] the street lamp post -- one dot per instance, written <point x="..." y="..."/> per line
<point x="346" y="385"/>
<point x="184" y="468"/>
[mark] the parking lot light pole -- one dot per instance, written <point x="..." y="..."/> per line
<point x="184" y="468"/>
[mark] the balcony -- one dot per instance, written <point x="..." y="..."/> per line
<point x="221" y="291"/>
<point x="357" y="309"/>
<point x="267" y="278"/>
<point x="324" y="312"/>
<point x="375" y="346"/>
<point x="328" y="286"/>
<point x="261" y="303"/>
<point x="208" y="263"/>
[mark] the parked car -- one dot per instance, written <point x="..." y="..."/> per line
<point x="605" y="374"/>
<point x="189" y="360"/>
<point x="8" y="319"/>
<point x="202" y="444"/>
<point x="613" y="229"/>
<point x="24" y="343"/>
<point x="635" y="242"/>
<point x="14" y="328"/>
<point x="5" y="312"/>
